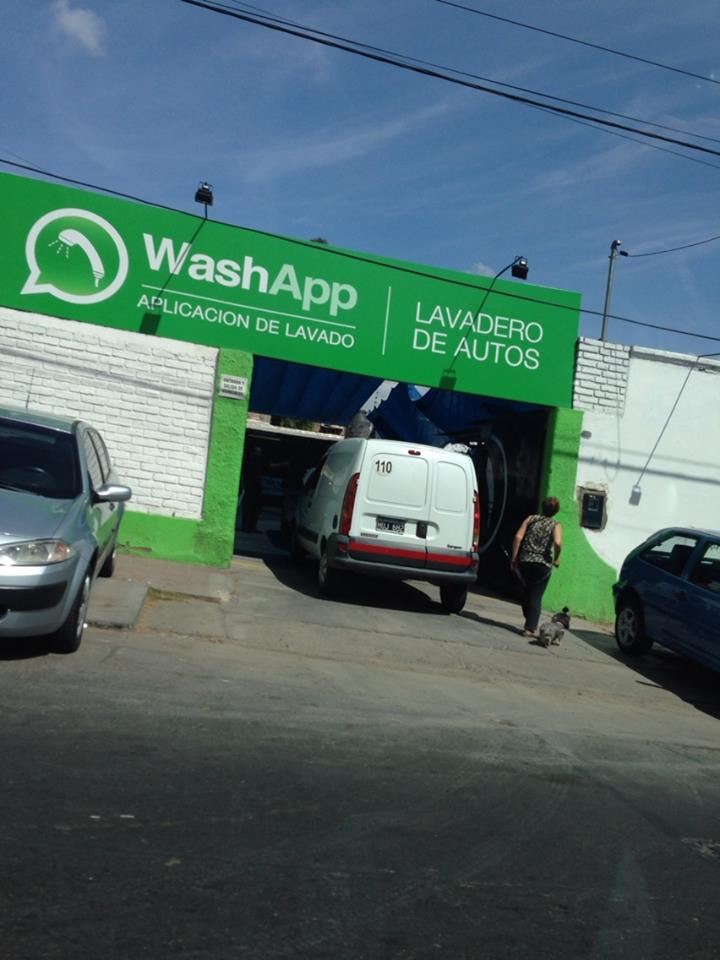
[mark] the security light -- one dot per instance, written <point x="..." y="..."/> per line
<point x="519" y="268"/>
<point x="204" y="194"/>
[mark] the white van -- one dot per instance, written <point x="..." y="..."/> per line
<point x="392" y="509"/>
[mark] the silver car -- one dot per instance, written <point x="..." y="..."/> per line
<point x="60" y="509"/>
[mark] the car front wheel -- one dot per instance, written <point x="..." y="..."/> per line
<point x="67" y="638"/>
<point x="630" y="628"/>
<point x="329" y="580"/>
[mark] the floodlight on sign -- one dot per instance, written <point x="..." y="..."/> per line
<point x="519" y="268"/>
<point x="204" y="194"/>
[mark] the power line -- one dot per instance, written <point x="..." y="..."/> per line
<point x="348" y="47"/>
<point x="590" y="124"/>
<point x="686" y="246"/>
<point x="584" y="43"/>
<point x="347" y="255"/>
<point x="406" y="58"/>
<point x="90" y="186"/>
<point x="652" y="326"/>
<point x="651" y="146"/>
<point x="15" y="155"/>
<point x="277" y="19"/>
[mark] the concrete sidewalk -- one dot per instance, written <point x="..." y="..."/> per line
<point x="117" y="603"/>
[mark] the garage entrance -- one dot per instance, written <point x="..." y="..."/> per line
<point x="297" y="412"/>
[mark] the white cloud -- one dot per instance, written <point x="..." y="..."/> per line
<point x="84" y="26"/>
<point x="482" y="269"/>
<point x="335" y="147"/>
<point x="597" y="167"/>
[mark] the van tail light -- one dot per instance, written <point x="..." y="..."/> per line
<point x="348" y="505"/>
<point x="476" y="522"/>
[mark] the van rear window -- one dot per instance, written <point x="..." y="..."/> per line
<point x="398" y="480"/>
<point x="451" y="488"/>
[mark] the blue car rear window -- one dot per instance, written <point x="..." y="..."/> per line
<point x="38" y="460"/>
<point x="671" y="554"/>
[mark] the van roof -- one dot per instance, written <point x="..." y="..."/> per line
<point x="424" y="448"/>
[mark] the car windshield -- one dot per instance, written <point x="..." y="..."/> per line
<point x="38" y="460"/>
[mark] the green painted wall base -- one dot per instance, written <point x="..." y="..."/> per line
<point x="212" y="539"/>
<point x="583" y="582"/>
<point x="166" y="538"/>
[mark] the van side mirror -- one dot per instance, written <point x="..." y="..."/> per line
<point x="311" y="480"/>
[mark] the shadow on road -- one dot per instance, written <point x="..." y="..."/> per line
<point x="356" y="590"/>
<point x="661" y="668"/>
<point x="22" y="648"/>
<point x="488" y="621"/>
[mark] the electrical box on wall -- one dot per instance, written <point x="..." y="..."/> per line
<point x="593" y="508"/>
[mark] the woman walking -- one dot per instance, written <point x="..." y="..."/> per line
<point x="535" y="551"/>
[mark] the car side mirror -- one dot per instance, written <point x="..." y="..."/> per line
<point x="111" y="493"/>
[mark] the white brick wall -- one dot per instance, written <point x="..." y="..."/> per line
<point x="601" y="376"/>
<point x="151" y="399"/>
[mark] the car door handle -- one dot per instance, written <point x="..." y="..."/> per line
<point x="680" y="594"/>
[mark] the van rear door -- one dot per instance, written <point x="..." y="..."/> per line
<point x="389" y="522"/>
<point x="450" y="517"/>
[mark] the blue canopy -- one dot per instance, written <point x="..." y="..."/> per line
<point x="458" y="413"/>
<point x="303" y="392"/>
<point x="398" y="418"/>
<point x="308" y="393"/>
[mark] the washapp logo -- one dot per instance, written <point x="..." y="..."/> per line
<point x="76" y="256"/>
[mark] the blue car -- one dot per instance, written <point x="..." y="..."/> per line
<point x="669" y="593"/>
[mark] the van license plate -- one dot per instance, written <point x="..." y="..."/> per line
<point x="390" y="526"/>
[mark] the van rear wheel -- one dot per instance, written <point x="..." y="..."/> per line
<point x="296" y="550"/>
<point x="329" y="580"/>
<point x="453" y="597"/>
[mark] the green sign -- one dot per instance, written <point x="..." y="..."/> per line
<point x="84" y="256"/>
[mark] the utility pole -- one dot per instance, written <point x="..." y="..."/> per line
<point x="608" y="290"/>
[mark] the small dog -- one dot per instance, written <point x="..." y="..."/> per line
<point x="552" y="632"/>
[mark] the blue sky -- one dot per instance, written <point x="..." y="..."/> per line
<point x="150" y="96"/>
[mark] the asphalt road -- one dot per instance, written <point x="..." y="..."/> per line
<point x="275" y="776"/>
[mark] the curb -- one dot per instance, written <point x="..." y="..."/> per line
<point x="116" y="604"/>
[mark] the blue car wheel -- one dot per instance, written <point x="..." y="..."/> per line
<point x="630" y="628"/>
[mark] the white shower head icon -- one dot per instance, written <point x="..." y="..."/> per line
<point x="73" y="238"/>
<point x="109" y="271"/>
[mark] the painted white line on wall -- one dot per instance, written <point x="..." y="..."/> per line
<point x="247" y="306"/>
<point x="387" y="319"/>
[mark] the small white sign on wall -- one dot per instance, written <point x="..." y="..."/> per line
<point x="233" y="387"/>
